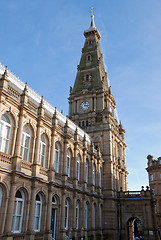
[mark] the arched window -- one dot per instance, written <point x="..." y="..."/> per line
<point x="5" y="133"/>
<point x="1" y="193"/>
<point x="25" y="143"/>
<point x="86" y="171"/>
<point x="78" y="168"/>
<point x="66" y="214"/>
<point x="38" y="209"/>
<point x="86" y="216"/>
<point x="77" y="215"/>
<point x="56" y="157"/>
<point x="54" y="201"/>
<point x="42" y="153"/>
<point x="68" y="162"/>
<point x="94" y="174"/>
<point x="94" y="216"/>
<point x="18" y="212"/>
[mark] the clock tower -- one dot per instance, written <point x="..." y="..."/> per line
<point x="92" y="107"/>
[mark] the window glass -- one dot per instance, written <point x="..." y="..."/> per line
<point x="77" y="215"/>
<point x="78" y="168"/>
<point x="68" y="162"/>
<point x="86" y="171"/>
<point x="42" y="152"/>
<point x="5" y="127"/>
<point x="37" y="216"/>
<point x="25" y="143"/>
<point x="94" y="172"/>
<point x="18" y="212"/>
<point x="86" y="216"/>
<point x="56" y="157"/>
<point x="66" y="213"/>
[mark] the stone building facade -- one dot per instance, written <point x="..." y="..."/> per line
<point x="66" y="178"/>
<point x="154" y="174"/>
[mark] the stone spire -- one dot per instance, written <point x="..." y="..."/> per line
<point x="91" y="73"/>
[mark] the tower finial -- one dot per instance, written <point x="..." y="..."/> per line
<point x="91" y="10"/>
<point x="92" y="24"/>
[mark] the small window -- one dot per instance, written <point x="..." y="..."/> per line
<point x="82" y="123"/>
<point x="89" y="43"/>
<point x="86" y="123"/>
<point x="151" y="177"/>
<point x="79" y="124"/>
<point x="87" y="77"/>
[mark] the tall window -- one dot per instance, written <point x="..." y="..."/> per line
<point x="86" y="216"/>
<point x="78" y="168"/>
<point x="5" y="132"/>
<point x="66" y="213"/>
<point x="94" y="174"/>
<point x="86" y="171"/>
<point x="42" y="153"/>
<point x="77" y="215"/>
<point x="68" y="162"/>
<point x="38" y="209"/>
<point x="18" y="212"/>
<point x="151" y="177"/>
<point x="94" y="216"/>
<point x="56" y="157"/>
<point x="25" y="143"/>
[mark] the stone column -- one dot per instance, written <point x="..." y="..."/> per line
<point x="49" y="207"/>
<point x="10" y="209"/>
<point x="84" y="168"/>
<point x="64" y="172"/>
<point x="52" y="153"/>
<point x="17" y="158"/>
<point x="32" y="209"/>
<point x="36" y="164"/>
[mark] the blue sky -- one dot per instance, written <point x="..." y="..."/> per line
<point x="41" y="42"/>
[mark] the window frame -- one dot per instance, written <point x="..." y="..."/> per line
<point x="4" y="141"/>
<point x="23" y="141"/>
<point x="56" y="161"/>
<point x="68" y="160"/>
<point x="16" y="215"/>
<point x="78" y="167"/>
<point x="38" y="202"/>
<point x="66" y="217"/>
<point x="77" y="215"/>
<point x="42" y="157"/>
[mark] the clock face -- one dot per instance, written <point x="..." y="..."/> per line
<point x="84" y="105"/>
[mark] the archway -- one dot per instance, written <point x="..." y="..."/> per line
<point x="134" y="228"/>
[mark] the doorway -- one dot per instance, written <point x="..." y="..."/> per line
<point x="134" y="229"/>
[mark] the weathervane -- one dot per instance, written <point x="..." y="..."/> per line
<point x="91" y="10"/>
